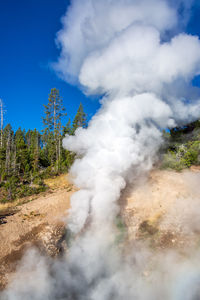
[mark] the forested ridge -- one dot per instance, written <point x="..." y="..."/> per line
<point x="28" y="157"/>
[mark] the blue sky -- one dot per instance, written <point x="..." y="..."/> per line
<point x="27" y="47"/>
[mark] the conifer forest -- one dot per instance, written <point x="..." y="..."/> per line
<point x="28" y="157"/>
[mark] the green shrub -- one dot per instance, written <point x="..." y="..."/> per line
<point x="171" y="161"/>
<point x="182" y="156"/>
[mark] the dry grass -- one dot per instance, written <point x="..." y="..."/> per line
<point x="10" y="205"/>
<point x="57" y="183"/>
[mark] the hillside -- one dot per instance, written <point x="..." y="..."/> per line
<point x="162" y="210"/>
<point x="39" y="222"/>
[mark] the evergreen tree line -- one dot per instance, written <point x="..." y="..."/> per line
<point x="28" y="157"/>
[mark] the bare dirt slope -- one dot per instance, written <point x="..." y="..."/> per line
<point x="164" y="209"/>
<point x="39" y="222"/>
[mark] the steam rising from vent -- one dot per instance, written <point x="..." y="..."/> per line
<point x="127" y="51"/>
<point x="119" y="143"/>
<point x="130" y="51"/>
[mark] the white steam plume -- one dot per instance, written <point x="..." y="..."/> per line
<point x="130" y="51"/>
<point x="118" y="48"/>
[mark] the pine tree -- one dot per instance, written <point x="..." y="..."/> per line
<point x="34" y="145"/>
<point x="80" y="119"/>
<point x="54" y="112"/>
<point x="21" y="151"/>
<point x="67" y="129"/>
<point x="11" y="187"/>
<point x="26" y="157"/>
<point x="28" y="138"/>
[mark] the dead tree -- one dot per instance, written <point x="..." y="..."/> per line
<point x="1" y="112"/>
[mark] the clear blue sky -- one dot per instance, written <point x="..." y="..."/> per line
<point x="27" y="46"/>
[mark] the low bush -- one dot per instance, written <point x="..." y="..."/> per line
<point x="182" y="156"/>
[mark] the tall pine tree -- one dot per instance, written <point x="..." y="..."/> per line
<point x="80" y="119"/>
<point x="54" y="112"/>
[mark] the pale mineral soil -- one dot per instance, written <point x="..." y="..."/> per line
<point x="39" y="221"/>
<point x="161" y="209"/>
<point x="164" y="209"/>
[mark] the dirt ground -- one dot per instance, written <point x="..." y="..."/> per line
<point x="39" y="222"/>
<point x="162" y="208"/>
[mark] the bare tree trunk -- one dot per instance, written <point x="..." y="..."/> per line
<point x="54" y="118"/>
<point x="57" y="155"/>
<point x="37" y="150"/>
<point x="8" y="153"/>
<point x="31" y="183"/>
<point x="14" y="159"/>
<point x="59" y="152"/>
<point x="9" y="196"/>
<point x="56" y="135"/>
<point x="1" y="108"/>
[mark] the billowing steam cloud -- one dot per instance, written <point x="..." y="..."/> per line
<point x="127" y="51"/>
<point x="130" y="51"/>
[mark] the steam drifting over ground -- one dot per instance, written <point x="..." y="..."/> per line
<point x="131" y="52"/>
